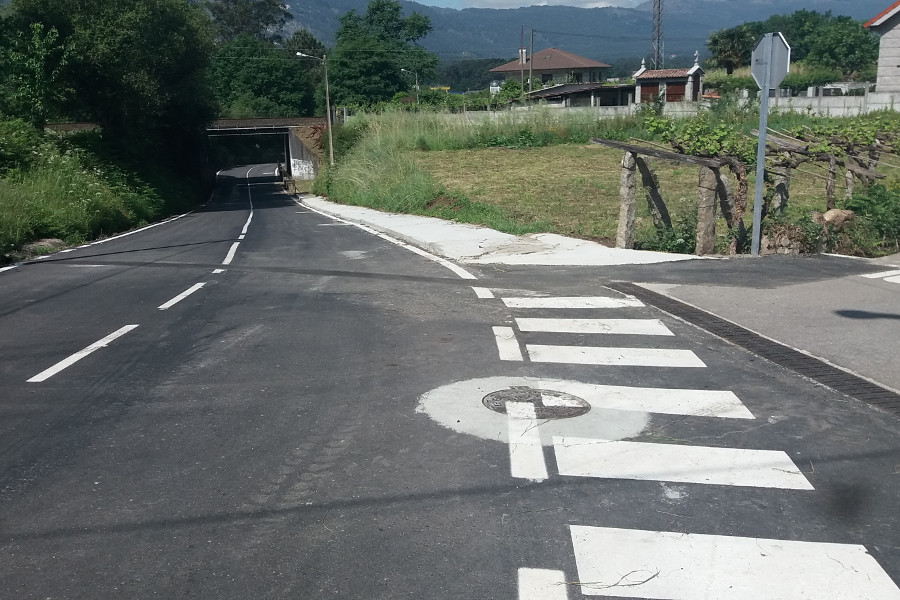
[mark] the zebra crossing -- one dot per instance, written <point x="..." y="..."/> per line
<point x="631" y="563"/>
<point x="892" y="276"/>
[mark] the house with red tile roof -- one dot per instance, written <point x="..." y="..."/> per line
<point x="885" y="24"/>
<point x="674" y="85"/>
<point x="556" y="65"/>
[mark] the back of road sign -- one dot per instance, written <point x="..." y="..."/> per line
<point x="771" y="57"/>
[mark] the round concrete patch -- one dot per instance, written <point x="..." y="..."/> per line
<point x="459" y="406"/>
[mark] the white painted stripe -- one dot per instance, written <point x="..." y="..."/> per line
<point x="605" y="459"/>
<point x="7" y="268"/>
<point x="526" y="454"/>
<point x="542" y="584"/>
<point x="483" y="292"/>
<point x="181" y="296"/>
<point x="633" y="563"/>
<point x="611" y="326"/>
<point x="242" y="236"/>
<point x="894" y="279"/>
<point x="230" y="256"/>
<point x="572" y="302"/>
<point x="698" y="403"/>
<point x="68" y="362"/>
<point x="507" y="344"/>
<point x="217" y="271"/>
<point x="592" y="355"/>
<point x="462" y="273"/>
<point x="882" y="274"/>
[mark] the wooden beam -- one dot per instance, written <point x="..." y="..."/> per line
<point x="712" y="163"/>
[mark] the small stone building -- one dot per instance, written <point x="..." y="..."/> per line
<point x="885" y="25"/>
<point x="675" y="85"/>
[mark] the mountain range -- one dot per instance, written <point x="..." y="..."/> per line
<point x="605" y="34"/>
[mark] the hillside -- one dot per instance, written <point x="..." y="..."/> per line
<point x="604" y="34"/>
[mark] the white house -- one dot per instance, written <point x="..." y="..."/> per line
<point x="885" y="25"/>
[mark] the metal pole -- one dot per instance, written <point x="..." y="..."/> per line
<point x="531" y="65"/>
<point x="328" y="112"/>
<point x="761" y="148"/>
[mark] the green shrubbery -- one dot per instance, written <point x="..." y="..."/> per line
<point x="878" y="209"/>
<point x="66" y="188"/>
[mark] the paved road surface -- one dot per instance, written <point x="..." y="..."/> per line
<point x="258" y="401"/>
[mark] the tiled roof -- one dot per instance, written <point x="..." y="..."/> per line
<point x="884" y="15"/>
<point x="551" y="59"/>
<point x="666" y="73"/>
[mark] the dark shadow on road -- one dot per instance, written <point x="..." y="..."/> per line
<point x="864" y="314"/>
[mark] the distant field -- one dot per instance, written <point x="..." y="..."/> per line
<point x="575" y="188"/>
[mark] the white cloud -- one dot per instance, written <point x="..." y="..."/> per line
<point x="576" y="3"/>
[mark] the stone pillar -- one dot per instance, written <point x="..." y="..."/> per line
<point x="627" y="208"/>
<point x="706" y="212"/>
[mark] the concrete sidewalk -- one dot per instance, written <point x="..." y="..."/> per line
<point x="851" y="319"/>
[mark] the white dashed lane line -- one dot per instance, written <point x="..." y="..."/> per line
<point x="71" y="360"/>
<point x="181" y="296"/>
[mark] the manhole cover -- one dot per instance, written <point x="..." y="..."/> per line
<point x="548" y="404"/>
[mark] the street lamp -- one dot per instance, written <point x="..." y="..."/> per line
<point x="324" y="60"/>
<point x="417" y="83"/>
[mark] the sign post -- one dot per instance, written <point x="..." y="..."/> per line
<point x="770" y="63"/>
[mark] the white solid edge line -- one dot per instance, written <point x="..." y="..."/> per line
<point x="526" y="453"/>
<point x="462" y="273"/>
<point x="7" y="268"/>
<point x="181" y="296"/>
<point x="507" y="344"/>
<point x="230" y="256"/>
<point x="572" y="302"/>
<point x="893" y="279"/>
<point x="483" y="292"/>
<point x="71" y="360"/>
<point x="542" y="584"/>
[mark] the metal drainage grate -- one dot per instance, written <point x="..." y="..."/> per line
<point x="808" y="366"/>
<point x="548" y="404"/>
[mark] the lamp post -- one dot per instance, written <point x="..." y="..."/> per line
<point x="417" y="83"/>
<point x="324" y="60"/>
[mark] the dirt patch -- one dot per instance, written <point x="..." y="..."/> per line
<point x="443" y="201"/>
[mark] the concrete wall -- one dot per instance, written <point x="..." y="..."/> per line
<point x="304" y="164"/>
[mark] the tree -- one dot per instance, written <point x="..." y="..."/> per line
<point x="372" y="49"/>
<point x="35" y="62"/>
<point x="731" y="48"/>
<point x="261" y="19"/>
<point x="138" y="67"/>
<point x="253" y="78"/>
<point x="844" y="45"/>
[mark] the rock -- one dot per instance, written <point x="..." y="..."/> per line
<point x="838" y="218"/>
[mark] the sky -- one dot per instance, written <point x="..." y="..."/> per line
<point x="518" y="3"/>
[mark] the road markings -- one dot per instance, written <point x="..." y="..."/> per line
<point x="483" y="292"/>
<point x="882" y="274"/>
<point x="459" y="271"/>
<point x="526" y="454"/>
<point x="542" y="584"/>
<point x="686" y="566"/>
<point x="8" y="268"/>
<point x="230" y="256"/>
<point x="507" y="344"/>
<point x="181" y="296"/>
<point x="217" y="271"/>
<point x="606" y="459"/>
<point x="68" y="362"/>
<point x="573" y="302"/>
<point x="610" y="326"/>
<point x="620" y="357"/>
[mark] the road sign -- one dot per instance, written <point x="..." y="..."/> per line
<point x="770" y="61"/>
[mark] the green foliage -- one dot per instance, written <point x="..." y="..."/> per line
<point x="843" y="45"/>
<point x="35" y="63"/>
<point x="702" y="136"/>
<point x="731" y="48"/>
<point x="373" y="49"/>
<point x="469" y="74"/>
<point x="680" y="238"/>
<point x="510" y="90"/>
<point x="260" y="19"/>
<point x="879" y="207"/>
<point x="253" y="79"/>
<point x="19" y="144"/>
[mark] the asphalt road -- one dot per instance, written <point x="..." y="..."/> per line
<point x="309" y="423"/>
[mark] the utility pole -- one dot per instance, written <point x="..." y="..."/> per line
<point x="531" y="64"/>
<point x="656" y="41"/>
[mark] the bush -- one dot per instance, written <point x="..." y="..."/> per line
<point x="879" y="208"/>
<point x="19" y="144"/>
<point x="681" y="238"/>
